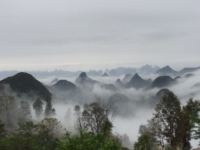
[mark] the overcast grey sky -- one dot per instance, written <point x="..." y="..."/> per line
<point x="43" y="34"/>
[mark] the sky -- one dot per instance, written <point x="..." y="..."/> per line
<point x="51" y="34"/>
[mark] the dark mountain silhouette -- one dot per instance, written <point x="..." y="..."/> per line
<point x="127" y="78"/>
<point x="120" y="104"/>
<point x="64" y="85"/>
<point x="137" y="82"/>
<point x="65" y="90"/>
<point x="189" y="70"/>
<point x="162" y="92"/>
<point x="84" y="80"/>
<point x="167" y="71"/>
<point x="119" y="83"/>
<point x="162" y="81"/>
<point x="24" y="83"/>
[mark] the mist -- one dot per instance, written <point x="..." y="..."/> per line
<point x="127" y="116"/>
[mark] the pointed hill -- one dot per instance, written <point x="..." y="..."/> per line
<point x="162" y="81"/>
<point x="127" y="78"/>
<point x="84" y="81"/>
<point x="137" y="82"/>
<point x="64" y="85"/>
<point x="167" y="71"/>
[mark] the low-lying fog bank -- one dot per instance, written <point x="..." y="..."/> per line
<point x="130" y="99"/>
<point x="140" y="103"/>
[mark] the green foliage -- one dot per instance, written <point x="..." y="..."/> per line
<point x="2" y="135"/>
<point x="89" y="141"/>
<point x="95" y="131"/>
<point x="147" y="139"/>
<point x="172" y="127"/>
<point x="145" y="142"/>
<point x="2" y="130"/>
<point x="172" y="124"/>
<point x="167" y="115"/>
<point x="46" y="135"/>
<point x="30" y="136"/>
<point x="95" y="119"/>
<point x="192" y="110"/>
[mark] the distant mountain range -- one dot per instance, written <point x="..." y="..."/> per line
<point x="120" y="71"/>
<point x="189" y="70"/>
<point x="167" y="71"/>
<point x="87" y="88"/>
<point x="25" y="83"/>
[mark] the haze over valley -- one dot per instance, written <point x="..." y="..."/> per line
<point x="130" y="94"/>
<point x="99" y="75"/>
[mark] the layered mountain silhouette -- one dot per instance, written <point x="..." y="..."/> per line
<point x="64" y="85"/>
<point x="118" y="101"/>
<point x="189" y="70"/>
<point x="84" y="79"/>
<point x="137" y="82"/>
<point x="162" y="81"/>
<point x="24" y="83"/>
<point x="167" y="71"/>
<point x="64" y="90"/>
<point x="119" y="83"/>
<point x="127" y="78"/>
<point x="163" y="92"/>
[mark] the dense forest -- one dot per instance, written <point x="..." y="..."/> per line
<point x="172" y="127"/>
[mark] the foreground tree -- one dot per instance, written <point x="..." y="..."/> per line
<point x="146" y="140"/>
<point x="30" y="136"/>
<point x="95" y="131"/>
<point x="191" y="120"/>
<point x="95" y="119"/>
<point x="173" y="126"/>
<point x="89" y="141"/>
<point x="167" y="115"/>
